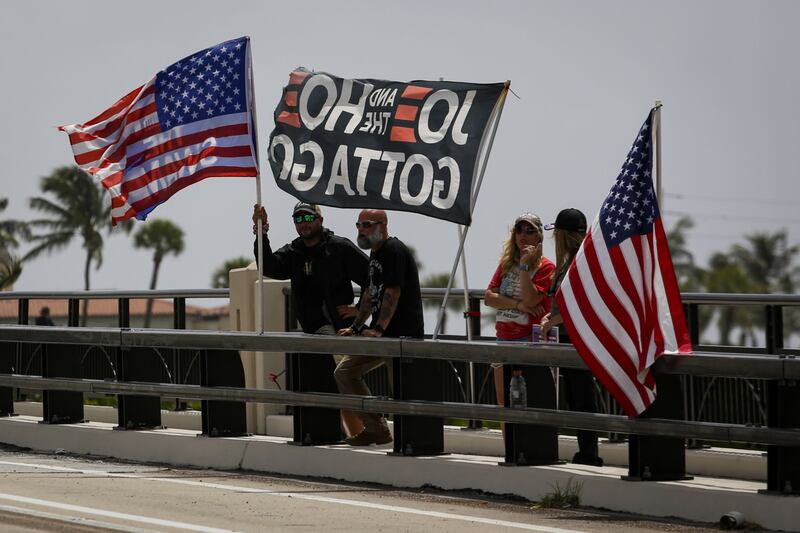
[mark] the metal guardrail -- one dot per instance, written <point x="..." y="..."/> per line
<point x="757" y="367"/>
<point x="111" y="294"/>
<point x="686" y="297"/>
<point x="564" y="356"/>
<point x="569" y="419"/>
<point x="707" y="396"/>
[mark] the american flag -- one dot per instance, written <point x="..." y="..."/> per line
<point x="620" y="299"/>
<point x="191" y="121"/>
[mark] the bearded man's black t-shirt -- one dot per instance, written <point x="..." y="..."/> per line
<point x="394" y="266"/>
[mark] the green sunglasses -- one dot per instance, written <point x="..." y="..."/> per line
<point x="304" y="218"/>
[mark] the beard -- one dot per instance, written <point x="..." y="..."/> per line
<point x="311" y="234"/>
<point x="366" y="242"/>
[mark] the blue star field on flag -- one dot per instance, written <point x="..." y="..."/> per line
<point x="631" y="208"/>
<point x="204" y="85"/>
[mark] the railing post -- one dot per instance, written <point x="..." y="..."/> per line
<point x="10" y="358"/>
<point x="473" y="314"/>
<point x="136" y="364"/>
<point x="222" y="418"/>
<point x="657" y="458"/>
<point x="178" y="322"/>
<point x="23" y="317"/>
<point x="63" y="361"/>
<point x="783" y="397"/>
<point x="528" y="444"/>
<point x="73" y="312"/>
<point x="308" y="372"/>
<point x="417" y="379"/>
<point x="692" y="313"/>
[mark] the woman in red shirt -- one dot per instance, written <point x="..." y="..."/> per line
<point x="518" y="289"/>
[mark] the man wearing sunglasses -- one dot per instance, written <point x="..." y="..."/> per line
<point x="322" y="268"/>
<point x="393" y="300"/>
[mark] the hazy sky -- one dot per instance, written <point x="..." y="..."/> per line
<point x="586" y="74"/>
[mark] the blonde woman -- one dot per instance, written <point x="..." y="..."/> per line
<point x="569" y="229"/>
<point x="518" y="289"/>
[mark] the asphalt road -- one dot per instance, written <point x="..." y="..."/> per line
<point x="41" y="492"/>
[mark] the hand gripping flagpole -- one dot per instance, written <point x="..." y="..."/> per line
<point x="496" y="113"/>
<point x="259" y="225"/>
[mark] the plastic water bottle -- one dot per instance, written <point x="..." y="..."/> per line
<point x="518" y="392"/>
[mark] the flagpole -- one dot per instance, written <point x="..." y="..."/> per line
<point x="497" y="112"/>
<point x="466" y="284"/>
<point x="259" y="224"/>
<point x="657" y="141"/>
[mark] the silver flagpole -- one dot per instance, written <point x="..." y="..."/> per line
<point x="497" y="112"/>
<point x="466" y="285"/>
<point x="259" y="227"/>
<point x="470" y="333"/>
<point x="657" y="140"/>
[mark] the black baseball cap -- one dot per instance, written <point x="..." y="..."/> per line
<point x="570" y="219"/>
<point x="305" y="207"/>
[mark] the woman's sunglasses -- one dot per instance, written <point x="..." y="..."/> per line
<point x="304" y="218"/>
<point x="367" y="224"/>
<point x="524" y="228"/>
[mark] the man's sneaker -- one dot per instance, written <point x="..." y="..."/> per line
<point x="583" y="459"/>
<point x="365" y="438"/>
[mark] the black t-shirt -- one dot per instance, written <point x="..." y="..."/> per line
<point x="394" y="266"/>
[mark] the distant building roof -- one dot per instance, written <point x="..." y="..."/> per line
<point x="106" y="307"/>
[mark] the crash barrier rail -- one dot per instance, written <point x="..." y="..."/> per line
<point x="711" y="399"/>
<point x="656" y="447"/>
<point x="706" y="398"/>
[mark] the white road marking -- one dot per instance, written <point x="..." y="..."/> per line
<point x="325" y="499"/>
<point x="73" y="519"/>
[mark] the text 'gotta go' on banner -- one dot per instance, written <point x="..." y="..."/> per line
<point x="381" y="144"/>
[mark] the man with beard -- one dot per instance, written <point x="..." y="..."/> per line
<point x="322" y="268"/>
<point x="394" y="303"/>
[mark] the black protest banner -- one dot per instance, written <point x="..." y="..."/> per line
<point x="381" y="144"/>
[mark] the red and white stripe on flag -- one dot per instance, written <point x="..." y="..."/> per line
<point x="620" y="300"/>
<point x="190" y="122"/>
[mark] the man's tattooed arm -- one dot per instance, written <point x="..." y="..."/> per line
<point x="364" y="310"/>
<point x="391" y="296"/>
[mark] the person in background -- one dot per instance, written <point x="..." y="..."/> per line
<point x="569" y="229"/>
<point x="393" y="301"/>
<point x="44" y="317"/>
<point x="322" y="268"/>
<point x="519" y="287"/>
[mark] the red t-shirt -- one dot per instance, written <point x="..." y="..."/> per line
<point x="512" y="324"/>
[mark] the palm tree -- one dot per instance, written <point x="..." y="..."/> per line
<point x="727" y="275"/>
<point x="72" y="205"/>
<point x="691" y="278"/>
<point x="454" y="303"/>
<point x="164" y="238"/>
<point x="767" y="259"/>
<point x="220" y="277"/>
<point x="10" y="270"/>
<point x="10" y="230"/>
<point x="689" y="275"/>
<point x="768" y="262"/>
